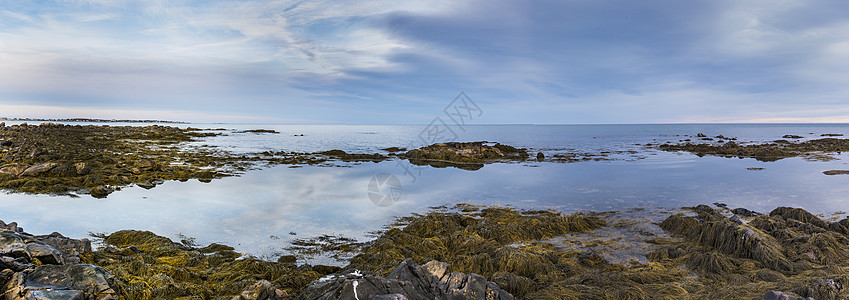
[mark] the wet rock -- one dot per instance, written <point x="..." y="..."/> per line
<point x="701" y="135"/>
<point x="831" y="134"/>
<point x="776" y="295"/>
<point x="78" y="281"/>
<point x="540" y="156"/>
<point x="791" y="136"/>
<point x="409" y="281"/>
<point x="262" y="290"/>
<point x="38" y="169"/>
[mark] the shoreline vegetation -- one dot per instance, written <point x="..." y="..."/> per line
<point x="466" y="252"/>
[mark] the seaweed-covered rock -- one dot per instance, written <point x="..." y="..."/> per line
<point x="471" y="155"/>
<point x="771" y="151"/>
<point x="741" y="240"/>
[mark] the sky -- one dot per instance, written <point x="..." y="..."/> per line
<point x="402" y="62"/>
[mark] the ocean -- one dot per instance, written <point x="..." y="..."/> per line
<point x="261" y="211"/>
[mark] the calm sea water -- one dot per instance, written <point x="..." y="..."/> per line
<point x="258" y="211"/>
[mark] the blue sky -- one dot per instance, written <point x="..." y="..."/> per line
<point x="389" y="61"/>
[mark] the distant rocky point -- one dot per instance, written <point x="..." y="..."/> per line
<point x="90" y="120"/>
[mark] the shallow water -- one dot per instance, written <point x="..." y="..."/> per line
<point x="258" y="212"/>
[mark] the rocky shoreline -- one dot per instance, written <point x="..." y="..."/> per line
<point x="466" y="252"/>
<point x="98" y="160"/>
<point x="815" y="149"/>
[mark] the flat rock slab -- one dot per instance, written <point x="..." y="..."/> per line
<point x="78" y="281"/>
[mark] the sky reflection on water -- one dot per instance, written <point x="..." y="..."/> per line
<point x="257" y="211"/>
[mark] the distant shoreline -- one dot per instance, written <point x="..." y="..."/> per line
<point x="89" y="120"/>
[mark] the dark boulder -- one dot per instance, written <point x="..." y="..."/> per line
<point x="408" y="281"/>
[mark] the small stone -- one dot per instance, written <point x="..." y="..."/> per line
<point x="82" y="168"/>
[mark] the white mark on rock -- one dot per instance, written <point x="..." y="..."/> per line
<point x="355" y="290"/>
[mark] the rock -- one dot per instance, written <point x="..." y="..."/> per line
<point x="831" y="134"/>
<point x="408" y="281"/>
<point x="736" y="219"/>
<point x="82" y="168"/>
<point x="37" y="169"/>
<point x="71" y="249"/>
<point x="6" y="143"/>
<point x="836" y="172"/>
<point x="12" y="245"/>
<point x="287" y="259"/>
<point x="540" y="156"/>
<point x="776" y="295"/>
<point x="78" y="281"/>
<point x="791" y="136"/>
<point x="135" y="171"/>
<point x="354" y="285"/>
<point x="45" y="253"/>
<point x="13" y="169"/>
<point x="145" y="164"/>
<point x="701" y="135"/>
<point x="389" y="297"/>
<point x="2" y="124"/>
<point x="744" y="212"/>
<point x="262" y="290"/>
<point x="36" y="153"/>
<point x="14" y="264"/>
<point x="55" y="295"/>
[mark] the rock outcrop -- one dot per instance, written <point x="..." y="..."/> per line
<point x="48" y="267"/>
<point x="409" y="281"/>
